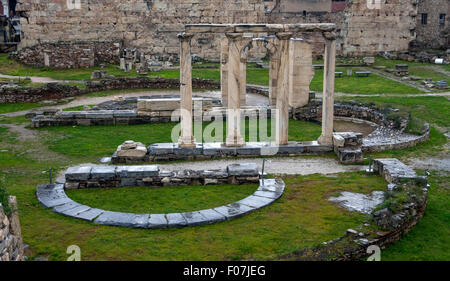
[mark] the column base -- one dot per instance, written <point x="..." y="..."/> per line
<point x="236" y="141"/>
<point x="186" y="142"/>
<point x="325" y="140"/>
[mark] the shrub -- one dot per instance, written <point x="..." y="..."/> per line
<point x="4" y="196"/>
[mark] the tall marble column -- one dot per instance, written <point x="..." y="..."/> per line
<point x="243" y="82"/>
<point x="282" y="134"/>
<point x="224" y="71"/>
<point x="234" y="137"/>
<point x="186" y="138"/>
<point x="328" y="89"/>
<point x="273" y="79"/>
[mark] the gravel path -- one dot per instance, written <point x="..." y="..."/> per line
<point x="277" y="166"/>
<point x="39" y="79"/>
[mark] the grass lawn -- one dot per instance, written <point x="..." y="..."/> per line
<point x="373" y="84"/>
<point x="422" y="70"/>
<point x="430" y="238"/>
<point x="6" y="107"/>
<point x="100" y="141"/>
<point x="162" y="200"/>
<point x="302" y="218"/>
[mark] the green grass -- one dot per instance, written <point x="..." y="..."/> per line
<point x="100" y="141"/>
<point x="373" y="84"/>
<point x="422" y="70"/>
<point x="302" y="218"/>
<point x="12" y="67"/>
<point x="369" y="85"/>
<point x="7" y="108"/>
<point x="163" y="200"/>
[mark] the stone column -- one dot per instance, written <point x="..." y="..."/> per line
<point x="186" y="138"/>
<point x="224" y="71"/>
<point x="234" y="137"/>
<point x="273" y="81"/>
<point x="282" y="134"/>
<point x="301" y="72"/>
<point x="243" y="82"/>
<point x="328" y="89"/>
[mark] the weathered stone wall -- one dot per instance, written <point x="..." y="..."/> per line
<point x="369" y="31"/>
<point x="433" y="34"/>
<point x="126" y="176"/>
<point x="152" y="26"/>
<point x="71" y="54"/>
<point x="11" y="245"/>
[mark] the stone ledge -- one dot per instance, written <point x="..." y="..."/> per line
<point x="171" y="151"/>
<point x="150" y="175"/>
<point x="52" y="196"/>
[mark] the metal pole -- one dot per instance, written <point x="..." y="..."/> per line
<point x="50" y="176"/>
<point x="263" y="168"/>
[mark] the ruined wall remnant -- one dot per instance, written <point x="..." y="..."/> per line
<point x="370" y="31"/>
<point x="434" y="31"/>
<point x="152" y="26"/>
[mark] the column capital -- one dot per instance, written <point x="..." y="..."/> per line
<point x="329" y="35"/>
<point x="284" y="35"/>
<point x="185" y="36"/>
<point x="234" y="36"/>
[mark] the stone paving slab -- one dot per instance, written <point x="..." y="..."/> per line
<point x="256" y="202"/>
<point x="53" y="196"/>
<point x="157" y="221"/>
<point x="194" y="218"/>
<point x="90" y="214"/>
<point x="176" y="220"/>
<point x="123" y="219"/>
<point x="234" y="210"/>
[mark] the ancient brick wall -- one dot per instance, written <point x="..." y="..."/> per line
<point x="433" y="34"/>
<point x="152" y="25"/>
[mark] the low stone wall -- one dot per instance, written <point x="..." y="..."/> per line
<point x="57" y="91"/>
<point x="70" y="55"/>
<point x="11" y="244"/>
<point x="53" y="195"/>
<point x="126" y="176"/>
<point x="394" y="223"/>
<point x="172" y="152"/>
<point x="313" y="111"/>
<point x="402" y="142"/>
<point x="50" y="91"/>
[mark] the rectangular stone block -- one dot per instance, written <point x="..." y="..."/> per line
<point x="78" y="173"/>
<point x="103" y="173"/>
<point x="137" y="171"/>
<point x="248" y="169"/>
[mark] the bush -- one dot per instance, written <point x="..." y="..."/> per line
<point x="4" y="196"/>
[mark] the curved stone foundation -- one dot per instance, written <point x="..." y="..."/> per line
<point x="53" y="196"/>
